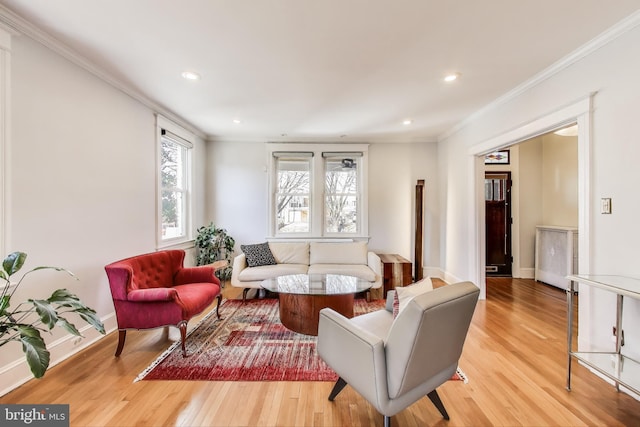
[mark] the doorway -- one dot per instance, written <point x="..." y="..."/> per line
<point x="497" y="196"/>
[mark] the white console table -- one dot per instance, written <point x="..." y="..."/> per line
<point x="614" y="365"/>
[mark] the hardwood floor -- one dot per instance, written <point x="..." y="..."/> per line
<point x="514" y="357"/>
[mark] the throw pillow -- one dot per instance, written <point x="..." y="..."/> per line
<point x="258" y="254"/>
<point x="407" y="293"/>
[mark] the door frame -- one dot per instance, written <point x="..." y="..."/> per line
<point x="578" y="112"/>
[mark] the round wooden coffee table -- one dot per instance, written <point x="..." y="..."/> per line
<point x="302" y="296"/>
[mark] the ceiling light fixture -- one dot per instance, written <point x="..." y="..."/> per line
<point x="451" y="77"/>
<point x="190" y="75"/>
<point x="237" y="121"/>
<point x="407" y="122"/>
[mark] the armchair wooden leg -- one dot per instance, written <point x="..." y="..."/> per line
<point x="218" y="306"/>
<point x="337" y="388"/>
<point x="244" y="295"/>
<point x="122" y="335"/>
<point x="183" y="336"/>
<point x="435" y="399"/>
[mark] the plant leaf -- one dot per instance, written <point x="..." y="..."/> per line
<point x="70" y="327"/>
<point x="48" y="267"/>
<point x="65" y="298"/>
<point x="14" y="262"/>
<point x="47" y="313"/>
<point x="4" y="304"/>
<point x="35" y="351"/>
<point x="89" y="316"/>
<point x="3" y="275"/>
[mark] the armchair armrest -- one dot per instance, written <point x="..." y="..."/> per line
<point x="389" y="303"/>
<point x="152" y="294"/>
<point x="200" y="274"/>
<point x="239" y="264"/>
<point x="353" y="353"/>
<point x="375" y="264"/>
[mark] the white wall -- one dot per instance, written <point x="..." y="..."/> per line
<point x="612" y="72"/>
<point x="238" y="195"/>
<point x="82" y="185"/>
<point x="530" y="187"/>
<point x="559" y="180"/>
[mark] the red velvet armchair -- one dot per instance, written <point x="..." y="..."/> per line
<point x="155" y="290"/>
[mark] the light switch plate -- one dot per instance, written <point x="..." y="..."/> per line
<point x="605" y="206"/>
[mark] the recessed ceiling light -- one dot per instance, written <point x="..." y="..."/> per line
<point x="451" y="77"/>
<point x="407" y="122"/>
<point x="190" y="75"/>
<point x="237" y="121"/>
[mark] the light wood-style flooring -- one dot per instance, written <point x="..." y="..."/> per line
<point x="514" y="357"/>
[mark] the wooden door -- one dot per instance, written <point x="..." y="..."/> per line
<point x="498" y="223"/>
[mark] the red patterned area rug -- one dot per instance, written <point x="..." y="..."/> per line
<point x="248" y="344"/>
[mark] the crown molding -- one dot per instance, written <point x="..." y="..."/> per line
<point x="622" y="27"/>
<point x="16" y="24"/>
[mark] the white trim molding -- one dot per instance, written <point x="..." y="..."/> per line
<point x="14" y="22"/>
<point x="619" y="29"/>
<point x="5" y="138"/>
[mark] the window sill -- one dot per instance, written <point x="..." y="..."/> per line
<point x="184" y="244"/>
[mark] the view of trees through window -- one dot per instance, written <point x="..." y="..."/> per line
<point x="293" y="193"/>
<point x="174" y="180"/>
<point x="341" y="192"/>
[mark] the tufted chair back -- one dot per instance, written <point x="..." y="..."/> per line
<point x="154" y="270"/>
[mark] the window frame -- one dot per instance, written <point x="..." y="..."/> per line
<point x="318" y="190"/>
<point x="327" y="157"/>
<point x="185" y="139"/>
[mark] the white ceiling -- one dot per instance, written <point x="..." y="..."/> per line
<point x="330" y="70"/>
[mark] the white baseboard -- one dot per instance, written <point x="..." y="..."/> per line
<point x="433" y="272"/>
<point x="17" y="372"/>
<point x="450" y="278"/>
<point x="526" y="273"/>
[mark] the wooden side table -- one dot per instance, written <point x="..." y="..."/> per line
<point x="396" y="271"/>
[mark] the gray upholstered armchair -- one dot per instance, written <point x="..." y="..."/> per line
<point x="391" y="362"/>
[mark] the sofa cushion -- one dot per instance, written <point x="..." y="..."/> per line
<point x="253" y="274"/>
<point x="357" y="270"/>
<point x="258" y="254"/>
<point x="290" y="252"/>
<point x="338" y="253"/>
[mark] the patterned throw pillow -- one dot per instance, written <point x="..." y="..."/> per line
<point x="405" y="294"/>
<point x="258" y="254"/>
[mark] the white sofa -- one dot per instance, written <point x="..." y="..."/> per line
<point x="349" y="258"/>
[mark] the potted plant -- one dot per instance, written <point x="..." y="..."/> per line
<point x="25" y="321"/>
<point x="214" y="244"/>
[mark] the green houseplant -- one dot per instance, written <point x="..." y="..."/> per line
<point x="214" y="244"/>
<point x="25" y="321"/>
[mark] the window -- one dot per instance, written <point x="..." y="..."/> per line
<point x="175" y="181"/>
<point x="293" y="192"/>
<point x="341" y="200"/>
<point x="319" y="191"/>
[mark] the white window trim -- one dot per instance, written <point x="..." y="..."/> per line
<point x="317" y="194"/>
<point x="187" y="139"/>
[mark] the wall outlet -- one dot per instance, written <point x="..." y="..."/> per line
<point x="605" y="206"/>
